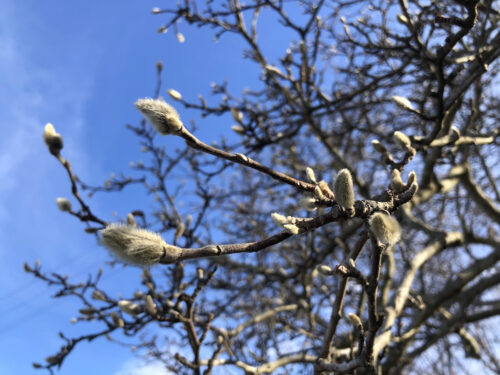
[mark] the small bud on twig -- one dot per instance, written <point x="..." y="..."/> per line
<point x="279" y="219"/>
<point x="385" y="228"/>
<point x="52" y="139"/>
<point x="174" y="94"/>
<point x="402" y="140"/>
<point x="63" y="204"/>
<point x="161" y="115"/>
<point x="150" y="306"/>
<point x="128" y="307"/>
<point x="402" y="102"/>
<point x="325" y="189"/>
<point x="397" y="183"/>
<point x="379" y="147"/>
<point x="310" y="175"/>
<point x="343" y="189"/>
<point x="308" y="203"/>
<point x="325" y="270"/>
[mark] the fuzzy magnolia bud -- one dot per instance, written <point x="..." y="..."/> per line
<point x="310" y="175"/>
<point x="180" y="38"/>
<point x="397" y="183"/>
<point x="291" y="228"/>
<point x="343" y="189"/>
<point x="412" y="178"/>
<point x="237" y="115"/>
<point x="63" y="204"/>
<point x="402" y="140"/>
<point x="385" y="228"/>
<point x="308" y="203"/>
<point x="98" y="296"/>
<point x="355" y="320"/>
<point x="138" y="246"/>
<point x="176" y="95"/>
<point x="379" y="147"/>
<point x="52" y="139"/>
<point x="131" y="220"/>
<point x="279" y="219"/>
<point x="128" y="307"/>
<point x="161" y="115"/>
<point x="325" y="189"/>
<point x="238" y="129"/>
<point x="402" y="102"/>
<point x="325" y="270"/>
<point x="117" y="321"/>
<point x="150" y="306"/>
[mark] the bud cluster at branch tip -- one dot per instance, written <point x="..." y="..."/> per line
<point x="162" y="116"/>
<point x="343" y="189"/>
<point x="53" y="140"/>
<point x="138" y="246"/>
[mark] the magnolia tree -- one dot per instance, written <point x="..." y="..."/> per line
<point x="350" y="226"/>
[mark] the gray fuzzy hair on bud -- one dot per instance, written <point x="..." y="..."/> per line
<point x="160" y="114"/>
<point x="138" y="246"/>
<point x="310" y="175"/>
<point x="63" y="204"/>
<point x="402" y="140"/>
<point x="385" y="228"/>
<point x="343" y="189"/>
<point x="397" y="183"/>
<point x="52" y="139"/>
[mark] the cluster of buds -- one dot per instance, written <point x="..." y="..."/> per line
<point x="53" y="140"/>
<point x="138" y="246"/>
<point x="286" y="222"/>
<point x="398" y="185"/>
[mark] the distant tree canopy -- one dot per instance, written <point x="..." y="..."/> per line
<point x="350" y="222"/>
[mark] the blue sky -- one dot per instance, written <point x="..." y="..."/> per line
<point x="80" y="65"/>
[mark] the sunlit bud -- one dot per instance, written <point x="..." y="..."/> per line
<point x="343" y="189"/>
<point x="161" y="115"/>
<point x="220" y="340"/>
<point x="325" y="189"/>
<point x="273" y="69"/>
<point x="179" y="230"/>
<point x="180" y="38"/>
<point x="310" y="175"/>
<point x="163" y="30"/>
<point x="117" y="321"/>
<point x="279" y="219"/>
<point x="63" y="204"/>
<point x="291" y="228"/>
<point x="402" y="140"/>
<point x="379" y="147"/>
<point x="52" y="139"/>
<point x="138" y="294"/>
<point x="402" y="19"/>
<point x="412" y="177"/>
<point x="325" y="270"/>
<point x="237" y="115"/>
<point x="150" y="306"/>
<point x="242" y="157"/>
<point x="238" y="129"/>
<point x="385" y="228"/>
<point x="156" y="10"/>
<point x="176" y="95"/>
<point x="318" y="193"/>
<point x="131" y="220"/>
<point x="397" y="183"/>
<point x="308" y="203"/>
<point x="128" y="307"/>
<point x="98" y="296"/>
<point x="402" y="102"/>
<point x="138" y="246"/>
<point x="200" y="273"/>
<point x="355" y="320"/>
<point x="73" y="320"/>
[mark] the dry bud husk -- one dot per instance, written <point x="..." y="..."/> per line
<point x="138" y="246"/>
<point x="343" y="189"/>
<point x="162" y="116"/>
<point x="385" y="228"/>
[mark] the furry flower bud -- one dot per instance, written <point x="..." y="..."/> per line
<point x="150" y="306"/>
<point x="402" y="140"/>
<point x="310" y="175"/>
<point x="279" y="219"/>
<point x="63" y="204"/>
<point x="397" y="183"/>
<point x="343" y="189"/>
<point x="402" y="102"/>
<point x="52" y="139"/>
<point x="160" y="114"/>
<point x="128" y="307"/>
<point x="379" y="147"/>
<point x="385" y="228"/>
<point x="176" y="95"/>
<point x="138" y="246"/>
